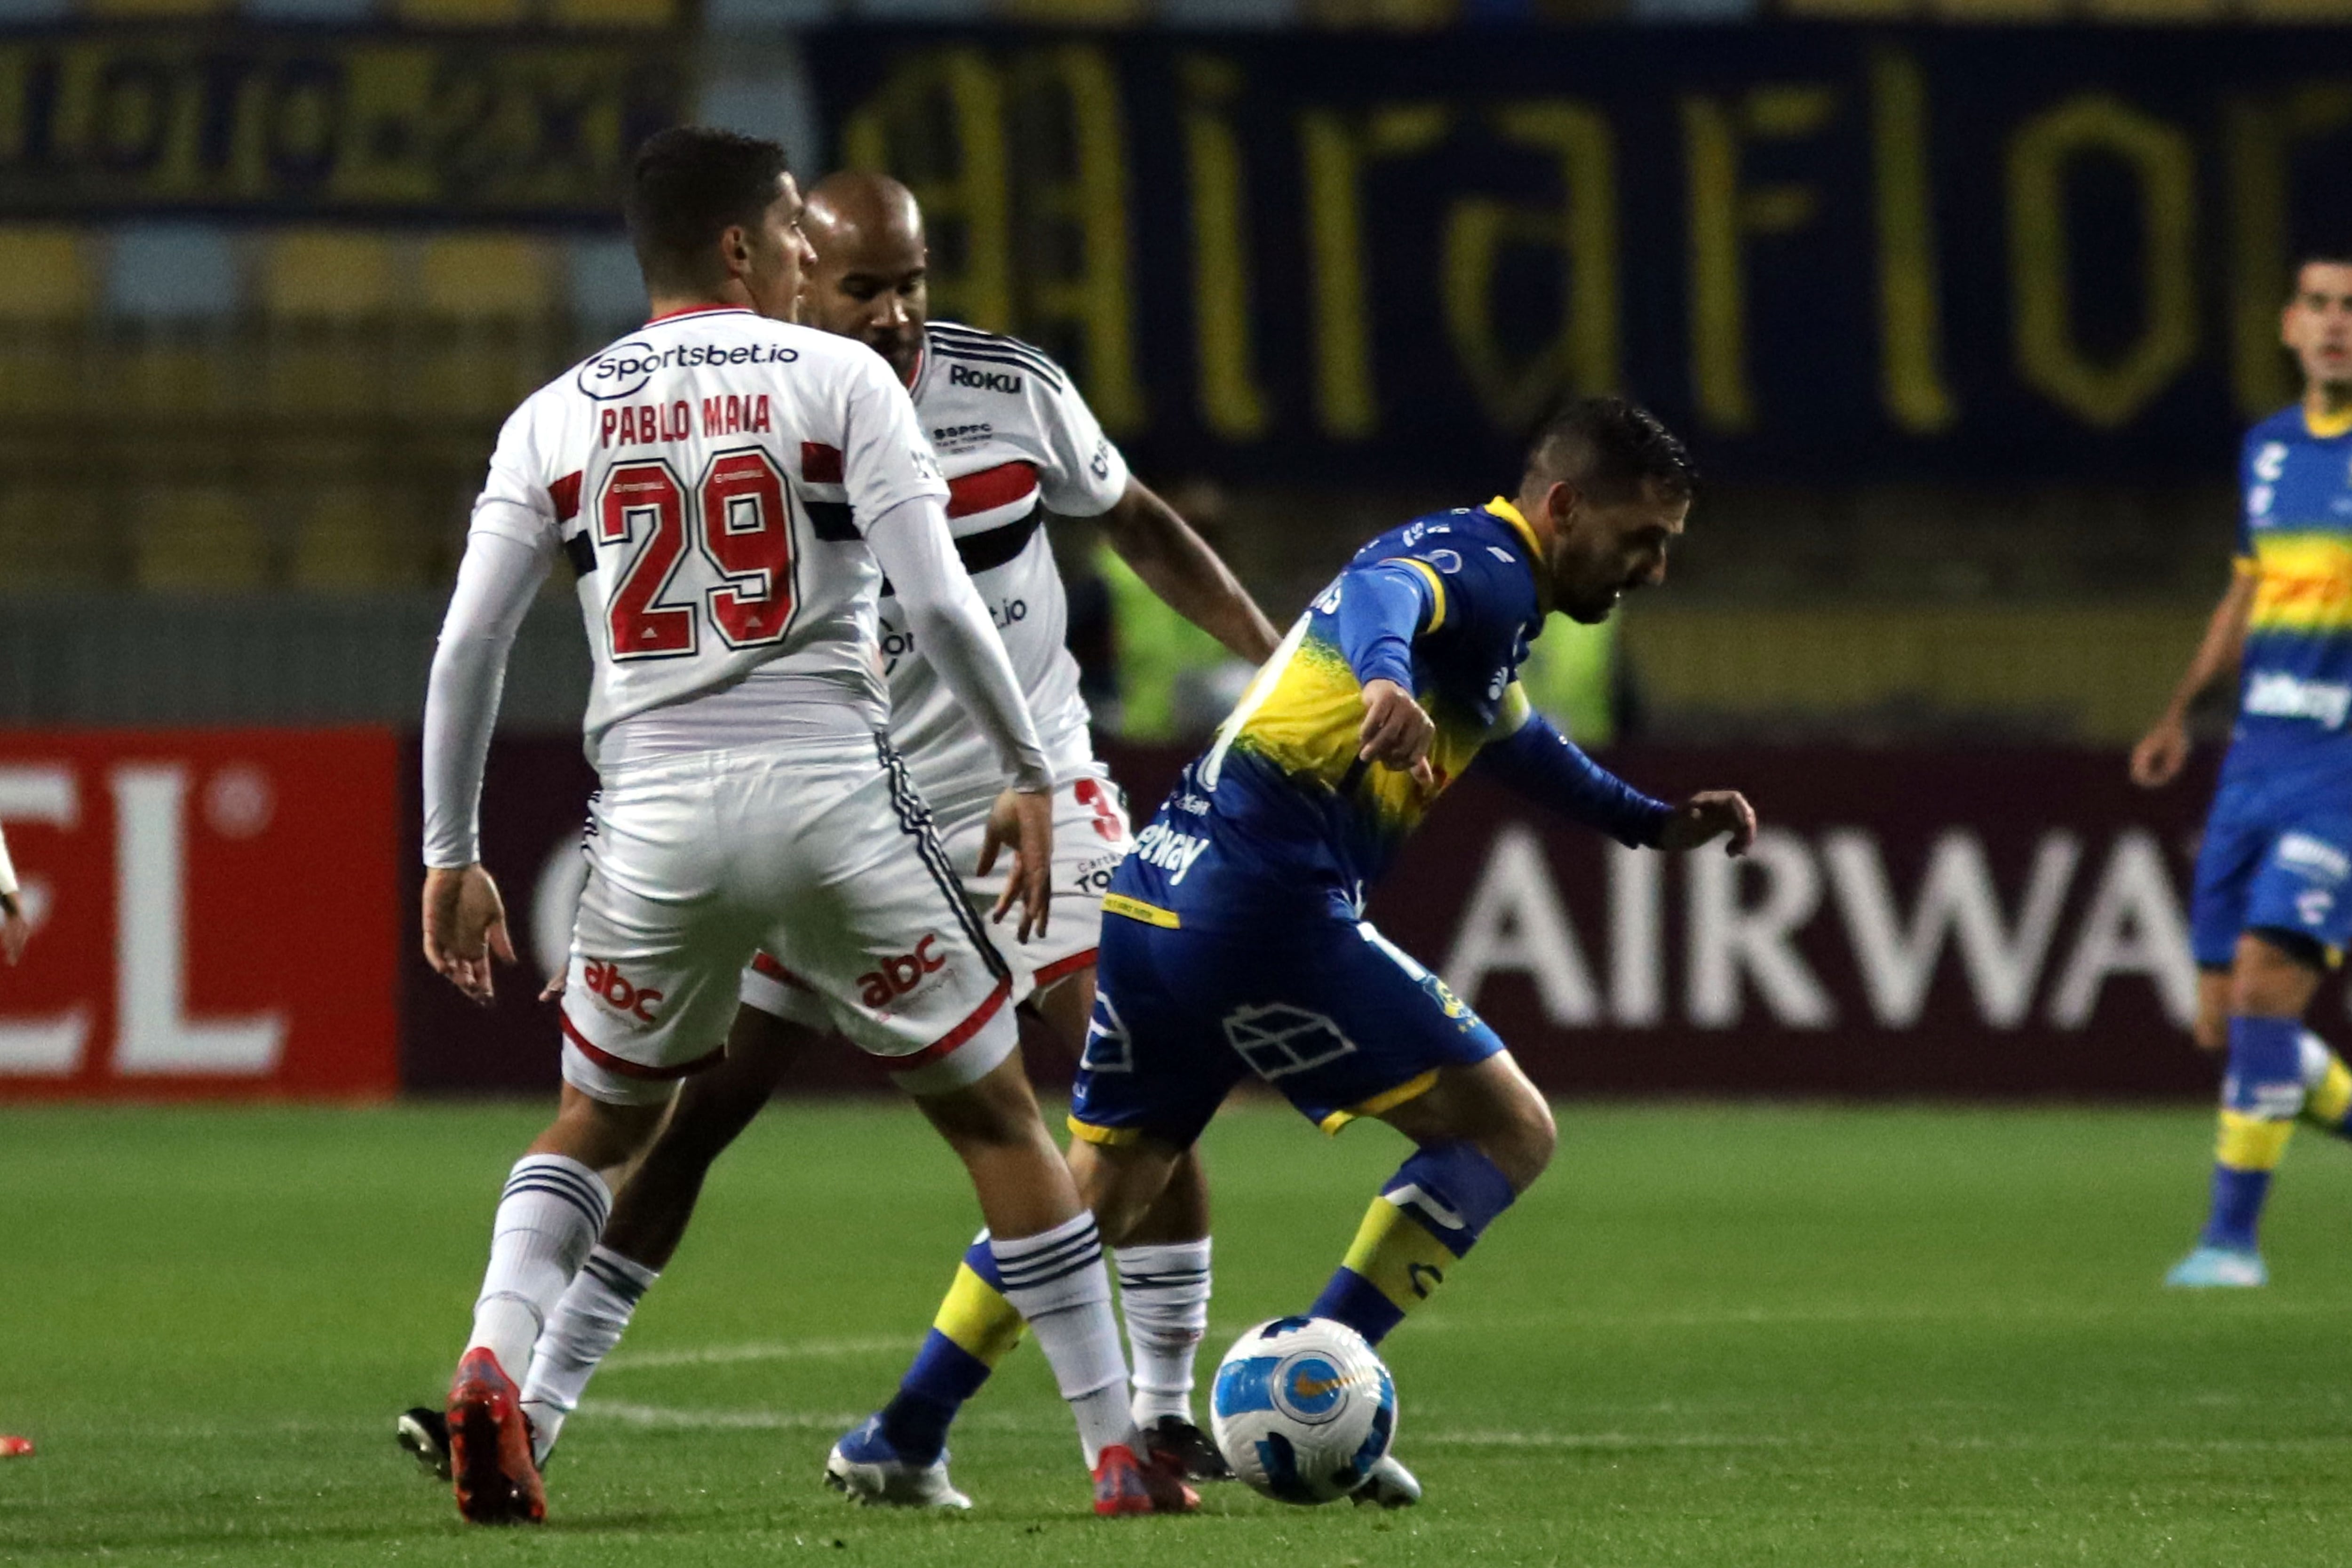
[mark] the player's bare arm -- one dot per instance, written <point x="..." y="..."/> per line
<point x="1177" y="564"/>
<point x="2161" y="754"/>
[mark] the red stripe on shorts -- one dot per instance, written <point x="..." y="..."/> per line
<point x="761" y="963"/>
<point x="1062" y="968"/>
<point x="947" y="1043"/>
<point x="626" y="1069"/>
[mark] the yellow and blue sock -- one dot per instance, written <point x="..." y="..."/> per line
<point x="2327" y="1085"/>
<point x="2261" y="1097"/>
<point x="974" y="1329"/>
<point x="1432" y="1211"/>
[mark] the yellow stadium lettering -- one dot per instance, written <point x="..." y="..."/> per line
<point x="2259" y="136"/>
<point x="1337" y="149"/>
<point x="1231" y="402"/>
<point x="1094" y="296"/>
<point x="2163" y="168"/>
<point x="1723" y="215"/>
<point x="1910" y="310"/>
<point x="1581" y="232"/>
<point x="960" y="178"/>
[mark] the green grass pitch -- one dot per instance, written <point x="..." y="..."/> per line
<point x="1714" y="1335"/>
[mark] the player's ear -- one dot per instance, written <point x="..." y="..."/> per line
<point x="735" y="249"/>
<point x="1560" y="503"/>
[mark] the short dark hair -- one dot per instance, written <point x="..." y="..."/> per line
<point x="1610" y="446"/>
<point x="2333" y="253"/>
<point x="689" y="185"/>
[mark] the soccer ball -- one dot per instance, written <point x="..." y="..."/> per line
<point x="1303" y="1409"/>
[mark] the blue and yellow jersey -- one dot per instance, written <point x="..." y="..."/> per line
<point x="1280" y="809"/>
<point x="2295" y="538"/>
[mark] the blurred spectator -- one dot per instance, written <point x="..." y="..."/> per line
<point x="15" y="928"/>
<point x="1174" y="681"/>
<point x="1576" y="675"/>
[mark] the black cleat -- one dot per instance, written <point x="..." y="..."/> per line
<point x="1180" y="1448"/>
<point x="423" y="1432"/>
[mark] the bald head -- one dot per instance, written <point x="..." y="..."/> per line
<point x="868" y="282"/>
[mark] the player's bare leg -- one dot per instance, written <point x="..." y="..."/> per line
<point x="899" y="1456"/>
<point x="1047" y="1258"/>
<point x="1484" y="1136"/>
<point x="2278" y="1072"/>
<point x="1163" y="1265"/>
<point x="554" y="1205"/>
<point x="650" y="1215"/>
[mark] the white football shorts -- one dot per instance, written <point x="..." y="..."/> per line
<point x="1091" y="836"/>
<point x="822" y="857"/>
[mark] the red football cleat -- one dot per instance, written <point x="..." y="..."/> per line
<point x="1124" y="1484"/>
<point x="489" y="1446"/>
<point x="16" y="1447"/>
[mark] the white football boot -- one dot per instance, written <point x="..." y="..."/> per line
<point x="867" y="1469"/>
<point x="1387" y="1485"/>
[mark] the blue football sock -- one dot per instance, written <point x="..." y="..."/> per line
<point x="975" y="1326"/>
<point x="2261" y="1095"/>
<point x="1432" y="1211"/>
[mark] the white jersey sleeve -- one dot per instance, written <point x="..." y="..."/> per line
<point x="496" y="584"/>
<point x="885" y="459"/>
<point x="1083" y="474"/>
<point x="516" y="503"/>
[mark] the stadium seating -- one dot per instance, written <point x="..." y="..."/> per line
<point x="199" y="540"/>
<point x="52" y="288"/>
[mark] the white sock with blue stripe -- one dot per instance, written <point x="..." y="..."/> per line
<point x="549" y="1218"/>
<point x="1056" y="1280"/>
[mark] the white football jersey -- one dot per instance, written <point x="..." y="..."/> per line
<point x="1016" y="441"/>
<point x="704" y="476"/>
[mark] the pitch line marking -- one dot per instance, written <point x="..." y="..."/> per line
<point x="665" y="1416"/>
<point x="773" y="1349"/>
<point x="1599" y="1440"/>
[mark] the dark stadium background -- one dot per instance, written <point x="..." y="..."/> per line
<point x="1962" y="307"/>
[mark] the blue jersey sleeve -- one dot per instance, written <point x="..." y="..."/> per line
<point x="1539" y="762"/>
<point x="1382" y="608"/>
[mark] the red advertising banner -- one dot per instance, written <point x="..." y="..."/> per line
<point x="214" y="914"/>
<point x="1997" y="923"/>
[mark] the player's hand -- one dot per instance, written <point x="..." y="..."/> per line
<point x="15" y="930"/>
<point x="2160" y="755"/>
<point x="1023" y="819"/>
<point x="1709" y="815"/>
<point x="1397" y="731"/>
<point x="465" y="928"/>
<point x="556" y="982"/>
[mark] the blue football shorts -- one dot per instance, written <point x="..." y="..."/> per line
<point x="2277" y="855"/>
<point x="1323" y="1008"/>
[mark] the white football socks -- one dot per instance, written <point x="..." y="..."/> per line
<point x="580" y="1333"/>
<point x="550" y="1216"/>
<point x="1164" y="1292"/>
<point x="1056" y="1280"/>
